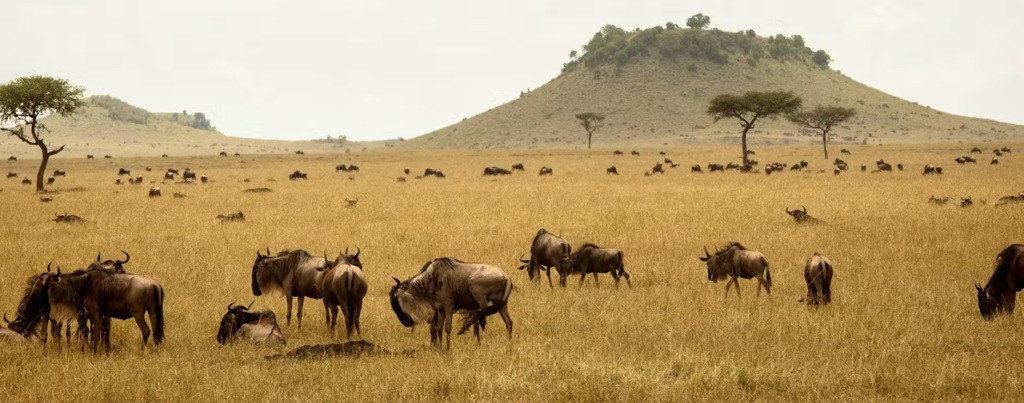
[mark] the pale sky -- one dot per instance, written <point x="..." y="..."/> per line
<point x="377" y="69"/>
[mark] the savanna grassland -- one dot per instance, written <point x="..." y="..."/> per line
<point x="904" y="324"/>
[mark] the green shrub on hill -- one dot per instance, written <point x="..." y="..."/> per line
<point x="120" y="110"/>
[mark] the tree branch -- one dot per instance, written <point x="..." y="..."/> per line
<point x="55" y="152"/>
<point x="19" y="132"/>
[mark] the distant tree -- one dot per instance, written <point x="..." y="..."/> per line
<point x="751" y="33"/>
<point x="752" y="106"/>
<point x="25" y="100"/>
<point x="590" y="122"/>
<point x="671" y="26"/>
<point x="798" y="41"/>
<point x="199" y="121"/>
<point x="699" y="21"/>
<point x="823" y="119"/>
<point x="821" y="58"/>
<point x="572" y="55"/>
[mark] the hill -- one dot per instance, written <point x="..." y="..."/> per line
<point x="109" y="126"/>
<point x="654" y="86"/>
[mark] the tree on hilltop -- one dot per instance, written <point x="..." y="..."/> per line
<point x="751" y="107"/>
<point x="699" y="21"/>
<point x="25" y="100"/>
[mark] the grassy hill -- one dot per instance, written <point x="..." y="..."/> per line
<point x="654" y="86"/>
<point x="109" y="126"/>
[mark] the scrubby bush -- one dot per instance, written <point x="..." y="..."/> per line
<point x="121" y="111"/>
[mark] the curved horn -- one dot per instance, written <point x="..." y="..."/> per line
<point x="706" y="254"/>
<point x="5" y="318"/>
<point x="805" y="208"/>
<point x="346" y="251"/>
<point x="397" y="281"/>
<point x="250" y="305"/>
<point x="358" y="251"/>
<point x="48" y="266"/>
<point x="127" y="257"/>
<point x="231" y="305"/>
<point x="258" y="255"/>
<point x="58" y="270"/>
<point x="521" y="259"/>
<point x="98" y="254"/>
<point x="268" y="251"/>
<point x="787" y="211"/>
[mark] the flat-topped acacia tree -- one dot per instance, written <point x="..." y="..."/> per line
<point x="822" y="119"/>
<point x="25" y="100"/>
<point x="590" y="122"/>
<point x="751" y="107"/>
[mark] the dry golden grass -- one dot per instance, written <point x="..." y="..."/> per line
<point x="903" y="326"/>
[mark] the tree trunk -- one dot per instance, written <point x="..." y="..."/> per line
<point x="590" y="136"/>
<point x="40" y="183"/>
<point x="744" y="166"/>
<point x="824" y="142"/>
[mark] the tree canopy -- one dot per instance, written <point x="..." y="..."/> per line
<point x="752" y="106"/>
<point x="590" y="122"/>
<point x="699" y="21"/>
<point x="823" y="119"/>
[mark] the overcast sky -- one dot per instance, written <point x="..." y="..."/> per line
<point x="376" y="69"/>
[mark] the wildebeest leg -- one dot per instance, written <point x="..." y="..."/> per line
<point x="45" y="330"/>
<point x="508" y="321"/>
<point x="582" y="278"/>
<point x="327" y="311"/>
<point x="140" y="319"/>
<point x="548" y="271"/>
<point x="447" y="318"/>
<point x="298" y="314"/>
<point x="596" y="283"/>
<point x="435" y="329"/>
<point x="615" y="275"/>
<point x="332" y="312"/>
<point x="288" y="317"/>
<point x="357" y="310"/>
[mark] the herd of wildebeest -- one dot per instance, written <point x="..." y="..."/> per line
<point x="89" y="298"/>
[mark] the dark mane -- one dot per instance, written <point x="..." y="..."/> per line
<point x="1003" y="262"/>
<point x="26" y="295"/>
<point x="587" y="245"/>
<point x="729" y="246"/>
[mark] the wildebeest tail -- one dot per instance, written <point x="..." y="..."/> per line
<point x="157" y="314"/>
<point x="350" y="309"/>
<point x="767" y="272"/>
<point x="492" y="309"/>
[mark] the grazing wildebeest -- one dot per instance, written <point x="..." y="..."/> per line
<point x="668" y="161"/>
<point x="716" y="167"/>
<point x="259" y="328"/>
<point x="899" y="166"/>
<point x="803" y="164"/>
<point x="1000" y="294"/>
<point x="997" y="153"/>
<point x="26" y="181"/>
<point x="238" y="155"/>
<point x="204" y="179"/>
<point x="884" y="167"/>
<point x="1006" y="150"/>
<point x="154" y="192"/>
<point x="123" y="172"/>
<point x="617" y="152"/>
<point x="188" y="175"/>
<point x="796" y="167"/>
<point x="547" y="250"/>
<point x="801" y="216"/>
<point x="446" y="285"/>
<point x="612" y="171"/>
<point x="342" y="284"/>
<point x="735" y="261"/>
<point x="970" y="160"/>
<point x="657" y="169"/>
<point x="292" y="273"/>
<point x="975" y="150"/>
<point x="662" y="153"/>
<point x="117" y="182"/>
<point x="233" y="217"/>
<point x="298" y="175"/>
<point x="50" y="180"/>
<point x="838" y="161"/>
<point x="136" y="180"/>
<point x="635" y="153"/>
<point x="12" y="175"/>
<point x="751" y="152"/>
<point x="844" y="151"/>
<point x="995" y="160"/>
<point x="223" y="153"/>
<point x="961" y="160"/>
<point x="942" y="200"/>
<point x="107" y="157"/>
<point x="593" y="259"/>
<point x="169" y="176"/>
<point x="752" y="162"/>
<point x="696" y="168"/>
<point x="818" y="275"/>
<point x="58" y="172"/>
<point x="12" y="159"/>
<point x="173" y="171"/>
<point x="299" y="152"/>
<point x="89" y="157"/>
<point x="966" y="202"/>
<point x="519" y="167"/>
<point x="929" y="170"/>
<point x="546" y="171"/>
<point x="341" y="168"/>
<point x="842" y="167"/>
<point x="732" y="165"/>
<point x="433" y="172"/>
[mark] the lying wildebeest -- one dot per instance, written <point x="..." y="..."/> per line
<point x="696" y="168"/>
<point x="1011" y="199"/>
<point x="546" y="171"/>
<point x="259" y="328"/>
<point x="1005" y="150"/>
<point x="204" y="179"/>
<point x="796" y="167"/>
<point x="26" y="181"/>
<point x="593" y="259"/>
<point x="995" y="160"/>
<point x="673" y="166"/>
<point x="123" y="172"/>
<point x="12" y="175"/>
<point x="1000" y="294"/>
<point x="446" y="285"/>
<point x="342" y="284"/>
<point x="233" y="217"/>
<point x="844" y="151"/>
<point x="668" y="161"/>
<point x="899" y="166"/>
<point x="89" y="157"/>
<point x="148" y="169"/>
<point x="818" y="275"/>
<point x="940" y="200"/>
<point x="292" y="273"/>
<point x="732" y="165"/>
<point x="546" y="251"/>
<point x="154" y="192"/>
<point x="519" y="167"/>
<point x="617" y="152"/>
<point x="107" y="157"/>
<point x="58" y="172"/>
<point x="801" y="216"/>
<point x="635" y="153"/>
<point x="299" y="152"/>
<point x="50" y="180"/>
<point x="612" y="171"/>
<point x="657" y="169"/>
<point x="169" y="176"/>
<point x="135" y="181"/>
<point x="716" y="167"/>
<point x="223" y="153"/>
<point x="975" y="150"/>
<point x="188" y="175"/>
<point x="298" y="175"/>
<point x="966" y="202"/>
<point x="12" y="159"/>
<point x="735" y="261"/>
<point x="341" y="168"/>
<point x="495" y="171"/>
<point x="433" y="172"/>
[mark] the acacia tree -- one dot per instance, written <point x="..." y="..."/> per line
<point x="25" y="100"/>
<point x="699" y="21"/>
<point x="823" y="119"/>
<point x="590" y="122"/>
<point x="751" y="107"/>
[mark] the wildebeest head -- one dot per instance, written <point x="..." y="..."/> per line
<point x="798" y="214"/>
<point x="233" y="320"/>
<point x="716" y="271"/>
<point x="116" y="265"/>
<point x="986" y="303"/>
<point x="398" y="292"/>
<point x="34" y="302"/>
<point x="352" y="259"/>
<point x="256" y="266"/>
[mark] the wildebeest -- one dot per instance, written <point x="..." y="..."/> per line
<point x="803" y="164"/>
<point x="237" y="155"/>
<point x="975" y="150"/>
<point x="406" y="171"/>
<point x="940" y="200"/>
<point x="149" y="169"/>
<point x="1011" y="199"/>
<point x="26" y="181"/>
<point x="716" y="167"/>
<point x="495" y="171"/>
<point x="546" y="171"/>
<point x="299" y="152"/>
<point x="838" y="161"/>
<point x="446" y="285"/>
<point x="342" y="284"/>
<point x="163" y="156"/>
<point x="45" y="199"/>
<point x="58" y="172"/>
<point x="884" y="166"/>
<point x="107" y="157"/>
<point x="735" y="261"/>
<point x="259" y="328"/>
<point x="997" y="153"/>
<point x="223" y="153"/>
<point x="50" y="180"/>
<point x="844" y="151"/>
<point x="635" y="153"/>
<point x="135" y="181"/>
<point x="752" y="162"/>
<point x="801" y="216"/>
<point x="818" y="275"/>
<point x="1000" y="293"/>
<point x="796" y="167"/>
<point x="12" y="175"/>
<point x="546" y="251"/>
<point x="188" y="175"/>
<point x="732" y="165"/>
<point x="66" y="218"/>
<point x="617" y="152"/>
<point x="292" y="273"/>
<point x="662" y="153"/>
<point x="612" y="171"/>
<point x="899" y="166"/>
<point x="341" y="168"/>
<point x="173" y="171"/>
<point x="657" y="169"/>
<point x="433" y="172"/>
<point x="89" y="157"/>
<point x="842" y="166"/>
<point x="970" y="160"/>
<point x="12" y="159"/>
<point x="169" y="175"/>
<point x="995" y="160"/>
<point x="961" y="160"/>
<point x="931" y="170"/>
<point x="298" y="175"/>
<point x="117" y="182"/>
<point x="593" y="259"/>
<point x="668" y="161"/>
<point x="751" y="152"/>
<point x="123" y="172"/>
<point x="518" y="167"/>
<point x="696" y="168"/>
<point x="204" y="179"/>
<point x="232" y="217"/>
<point x="966" y="202"/>
<point x="154" y="192"/>
<point x="1005" y="150"/>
